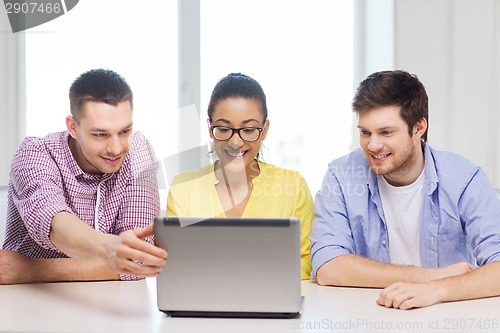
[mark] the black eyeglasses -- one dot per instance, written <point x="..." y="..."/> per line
<point x="248" y="134"/>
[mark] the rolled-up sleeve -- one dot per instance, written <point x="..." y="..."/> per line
<point x="331" y="233"/>
<point x="480" y="209"/>
<point x="37" y="191"/>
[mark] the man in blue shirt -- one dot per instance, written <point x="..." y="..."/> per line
<point x="400" y="215"/>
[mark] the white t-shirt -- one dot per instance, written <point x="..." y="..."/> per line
<point x="402" y="209"/>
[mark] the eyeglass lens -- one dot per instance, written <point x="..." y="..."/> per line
<point x="246" y="133"/>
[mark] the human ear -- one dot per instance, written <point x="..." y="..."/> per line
<point x="209" y="130"/>
<point x="420" y="127"/>
<point x="71" y="126"/>
<point x="265" y="128"/>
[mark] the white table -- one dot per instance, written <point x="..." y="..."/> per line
<point x="131" y="307"/>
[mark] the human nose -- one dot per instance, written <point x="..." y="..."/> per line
<point x="114" y="146"/>
<point x="374" y="144"/>
<point x="235" y="141"/>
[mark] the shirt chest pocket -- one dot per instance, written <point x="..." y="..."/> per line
<point x="450" y="224"/>
<point x="451" y="234"/>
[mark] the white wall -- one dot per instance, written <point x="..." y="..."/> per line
<point x="453" y="47"/>
<point x="3" y="213"/>
<point x="12" y="105"/>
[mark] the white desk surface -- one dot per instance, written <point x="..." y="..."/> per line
<point x="131" y="307"/>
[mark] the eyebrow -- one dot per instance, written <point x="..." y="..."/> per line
<point x="100" y="130"/>
<point x="379" y="129"/>
<point x="228" y="122"/>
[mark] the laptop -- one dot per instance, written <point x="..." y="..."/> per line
<point x="230" y="267"/>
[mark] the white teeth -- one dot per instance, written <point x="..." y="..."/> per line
<point x="379" y="156"/>
<point x="239" y="154"/>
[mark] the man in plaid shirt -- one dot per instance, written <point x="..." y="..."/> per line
<point x="81" y="202"/>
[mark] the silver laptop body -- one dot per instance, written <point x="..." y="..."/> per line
<point x="230" y="267"/>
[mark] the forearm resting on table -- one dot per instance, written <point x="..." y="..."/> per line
<point x="350" y="270"/>
<point x="16" y="268"/>
<point x="70" y="269"/>
<point x="480" y="283"/>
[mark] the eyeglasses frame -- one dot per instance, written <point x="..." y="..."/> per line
<point x="237" y="130"/>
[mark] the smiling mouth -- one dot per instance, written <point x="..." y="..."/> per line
<point x="236" y="154"/>
<point x="379" y="157"/>
<point x="112" y="159"/>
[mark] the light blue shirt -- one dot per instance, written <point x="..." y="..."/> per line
<point x="460" y="215"/>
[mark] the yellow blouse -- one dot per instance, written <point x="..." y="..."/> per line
<point x="276" y="192"/>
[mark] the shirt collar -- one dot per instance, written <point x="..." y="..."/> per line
<point x="430" y="175"/>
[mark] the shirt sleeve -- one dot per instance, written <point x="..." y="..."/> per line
<point x="37" y="190"/>
<point x="331" y="233"/>
<point x="480" y="212"/>
<point x="304" y="210"/>
<point x="141" y="202"/>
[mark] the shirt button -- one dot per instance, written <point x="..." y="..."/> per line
<point x="383" y="242"/>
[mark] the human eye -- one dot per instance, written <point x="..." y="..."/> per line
<point x="126" y="131"/>
<point x="249" y="130"/>
<point x="363" y="132"/>
<point x="386" y="132"/>
<point x="100" y="135"/>
<point x="223" y="130"/>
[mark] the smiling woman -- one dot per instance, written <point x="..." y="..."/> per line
<point x="238" y="184"/>
<point x="238" y="152"/>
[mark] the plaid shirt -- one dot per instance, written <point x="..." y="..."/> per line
<point x="45" y="180"/>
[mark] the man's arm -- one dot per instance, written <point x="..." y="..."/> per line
<point x="78" y="240"/>
<point x="483" y="282"/>
<point x="16" y="268"/>
<point x="350" y="270"/>
<point x="95" y="256"/>
<point x="132" y="251"/>
<point x="479" y="209"/>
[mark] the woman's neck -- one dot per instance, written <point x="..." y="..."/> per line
<point x="235" y="187"/>
<point x="237" y="178"/>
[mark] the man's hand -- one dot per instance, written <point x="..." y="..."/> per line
<point x="14" y="268"/>
<point x="404" y="296"/>
<point x="127" y="251"/>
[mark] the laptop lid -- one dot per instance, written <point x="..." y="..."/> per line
<point x="230" y="267"/>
